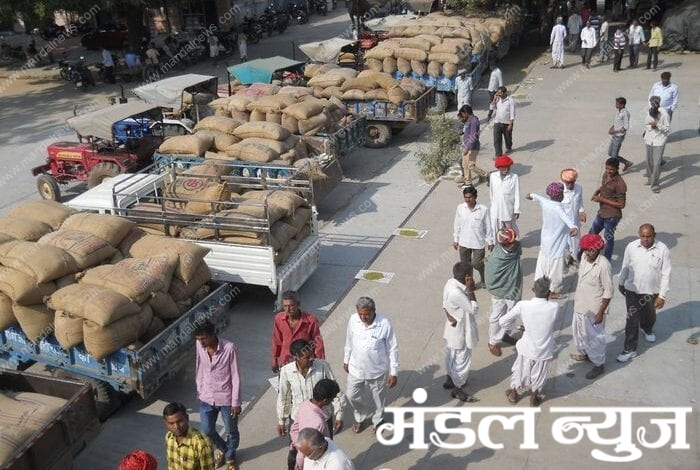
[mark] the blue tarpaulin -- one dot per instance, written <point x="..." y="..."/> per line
<point x="261" y="70"/>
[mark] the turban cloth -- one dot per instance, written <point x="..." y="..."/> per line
<point x="569" y="175"/>
<point x="138" y="460"/>
<point x="555" y="190"/>
<point x="506" y="235"/>
<point x="591" y="241"/>
<point x="503" y="160"/>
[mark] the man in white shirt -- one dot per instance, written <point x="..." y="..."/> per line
<point x="588" y="42"/>
<point x="556" y="230"/>
<point x="472" y="231"/>
<point x="321" y="453"/>
<point x="644" y="280"/>
<point x="505" y="195"/>
<point x="636" y="35"/>
<point x="656" y="130"/>
<point x="556" y="42"/>
<point x="536" y="347"/>
<point x="605" y="46"/>
<point x="460" y="333"/>
<point x="108" y="63"/>
<point x="504" y="107"/>
<point x="593" y="293"/>
<point x="463" y="88"/>
<point x="573" y="207"/>
<point x="667" y="91"/>
<point x="495" y="81"/>
<point x="574" y="26"/>
<point x="371" y="360"/>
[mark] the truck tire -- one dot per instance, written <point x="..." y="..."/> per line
<point x="107" y="400"/>
<point x="101" y="172"/>
<point x="440" y="105"/>
<point x="377" y="135"/>
<point x="48" y="187"/>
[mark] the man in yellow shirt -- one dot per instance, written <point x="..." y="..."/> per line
<point x="656" y="40"/>
<point x="186" y="448"/>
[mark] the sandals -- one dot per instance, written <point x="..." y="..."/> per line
<point x="579" y="357"/>
<point x="512" y="396"/>
<point x="357" y="428"/>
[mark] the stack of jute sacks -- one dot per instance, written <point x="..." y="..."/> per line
<point x="329" y="80"/>
<point x="92" y="279"/>
<point x="21" y="415"/>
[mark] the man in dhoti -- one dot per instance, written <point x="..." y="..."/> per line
<point x="573" y="206"/>
<point x="593" y="293"/>
<point x="505" y="195"/>
<point x="504" y="281"/>
<point x="536" y="347"/>
<point x="557" y="227"/>
<point x="556" y="42"/>
<point x="461" y="334"/>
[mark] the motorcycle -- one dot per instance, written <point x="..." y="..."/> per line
<point x="79" y="74"/>
<point x="297" y="13"/>
<point x="321" y="6"/>
<point x="252" y="29"/>
<point x="274" y="21"/>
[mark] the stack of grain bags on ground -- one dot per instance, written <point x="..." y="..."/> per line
<point x="22" y="414"/>
<point x="437" y="45"/>
<point x="92" y="279"/>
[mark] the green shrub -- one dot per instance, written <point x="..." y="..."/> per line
<point x="444" y="150"/>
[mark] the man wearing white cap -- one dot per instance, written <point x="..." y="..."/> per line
<point x="556" y="42"/>
<point x="463" y="88"/>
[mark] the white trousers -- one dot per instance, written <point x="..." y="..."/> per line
<point x="558" y="52"/>
<point x="528" y="373"/>
<point x="499" y="307"/>
<point x="553" y="268"/>
<point x="367" y="398"/>
<point x="457" y="363"/>
<point x="590" y="338"/>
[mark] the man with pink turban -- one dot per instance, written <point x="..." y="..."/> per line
<point x="557" y="227"/>
<point x="593" y="293"/>
<point x="505" y="195"/>
<point x="573" y="206"/>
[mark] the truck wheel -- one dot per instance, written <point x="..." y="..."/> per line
<point x="48" y="187"/>
<point x="440" y="105"/>
<point x="377" y="135"/>
<point x="107" y="400"/>
<point x="101" y="172"/>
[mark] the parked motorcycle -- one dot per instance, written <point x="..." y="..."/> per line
<point x="79" y="74"/>
<point x="321" y="6"/>
<point x="252" y="29"/>
<point x="273" y="20"/>
<point x="297" y="13"/>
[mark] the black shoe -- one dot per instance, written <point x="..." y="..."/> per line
<point x="461" y="395"/>
<point x="508" y="339"/>
<point x="595" y="372"/>
<point x="449" y="384"/>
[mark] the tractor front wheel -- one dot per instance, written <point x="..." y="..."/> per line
<point x="101" y="172"/>
<point x="48" y="187"/>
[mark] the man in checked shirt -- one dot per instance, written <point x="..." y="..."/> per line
<point x="186" y="448"/>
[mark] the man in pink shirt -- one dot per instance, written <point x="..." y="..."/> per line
<point x="292" y="324"/>
<point x="218" y="391"/>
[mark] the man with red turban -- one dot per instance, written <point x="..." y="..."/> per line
<point x="505" y="195"/>
<point x="138" y="460"/>
<point x="593" y="293"/>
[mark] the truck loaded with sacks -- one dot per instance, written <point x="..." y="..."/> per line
<point x="99" y="299"/>
<point x="433" y="48"/>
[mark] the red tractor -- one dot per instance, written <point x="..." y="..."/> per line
<point x="118" y="140"/>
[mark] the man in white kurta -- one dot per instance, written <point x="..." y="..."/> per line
<point x="556" y="42"/>
<point x="573" y="206"/>
<point x="593" y="293"/>
<point x="556" y="230"/>
<point x="536" y="346"/>
<point x="460" y="333"/>
<point x="463" y="88"/>
<point x="505" y="195"/>
<point x="472" y="231"/>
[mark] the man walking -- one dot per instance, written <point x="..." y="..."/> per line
<point x="536" y="347"/>
<point x="603" y="35"/>
<point x="504" y="281"/>
<point x="463" y="88"/>
<point x="618" y="131"/>
<point x="108" y="64"/>
<point x="505" y="195"/>
<point x="556" y="42"/>
<point x="495" y="81"/>
<point x="574" y="27"/>
<point x="657" y="129"/>
<point x="556" y="230"/>
<point x="573" y="207"/>
<point x="644" y="280"/>
<point x="636" y="38"/>
<point x="656" y="40"/>
<point x="588" y="42"/>
<point x="218" y="390"/>
<point x="371" y="360"/>
<point x="611" y="197"/>
<point x="185" y="447"/>
<point x="504" y="108"/>
<point x="619" y="42"/>
<point x="667" y="92"/>
<point x="470" y="146"/>
<point x="292" y="324"/>
<point x="472" y="231"/>
<point x="460" y="332"/>
<point x="593" y="293"/>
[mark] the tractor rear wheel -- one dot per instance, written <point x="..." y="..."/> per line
<point x="101" y="172"/>
<point x="48" y="187"/>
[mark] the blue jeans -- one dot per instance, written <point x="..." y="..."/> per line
<point x="208" y="414"/>
<point x="608" y="226"/>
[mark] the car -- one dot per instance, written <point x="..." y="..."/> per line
<point x="111" y="36"/>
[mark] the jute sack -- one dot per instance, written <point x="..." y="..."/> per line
<point x="443" y="57"/>
<point x="317" y="92"/>
<point x="278" y="146"/>
<point x="300" y="219"/>
<point x="379" y="53"/>
<point x="221" y="140"/>
<point x="273" y="117"/>
<point x="353" y="95"/>
<point x="415" y="43"/>
<point x="196" y="232"/>
<point x="218" y="124"/>
<point x="43" y="263"/>
<point x="181" y="292"/>
<point x="324" y="81"/>
<point x="244" y="241"/>
<point x="411" y="54"/>
<point x="153" y="329"/>
<point x="419" y="67"/>
<point x="187" y="144"/>
<point x="286" y="200"/>
<point x="108" y="227"/>
<point x="27" y="409"/>
<point x="432" y="39"/>
<point x="7" y="315"/>
<point x="295" y="92"/>
<point x="267" y="130"/>
<point x="272" y="103"/>
<point x="258" y="89"/>
<point x="434" y="69"/>
<point x="242" y="116"/>
<point x="101" y="341"/>
<point x="304" y="110"/>
<point x="379" y="94"/>
<point x="163" y="306"/>
<point x="223" y="112"/>
<point x="389" y="65"/>
<point x="374" y="64"/>
<point x="397" y="95"/>
<point x="109" y="306"/>
<point x="252" y="152"/>
<point x="23" y="229"/>
<point x="211" y="167"/>
<point x="281" y="233"/>
<point x="23" y="289"/>
<point x="35" y="320"/>
<point x="219" y="103"/>
<point x="68" y="329"/>
<point x="300" y="149"/>
<point x="73" y="298"/>
<point x="205" y="201"/>
<point x="396" y="31"/>
<point x="403" y="65"/>
<point x="247" y="209"/>
<point x="239" y="102"/>
<point x="51" y="213"/>
<point x="291" y="124"/>
<point x="85" y="248"/>
<point x="449" y="70"/>
<point x="70" y="279"/>
<point x="257" y="116"/>
<point x="285" y="253"/>
<point x="4" y="238"/>
<point x="360" y="83"/>
<point x="446" y="47"/>
<point x="310" y="70"/>
<point x="462" y="33"/>
<point x="11" y="438"/>
<point x="313" y="125"/>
